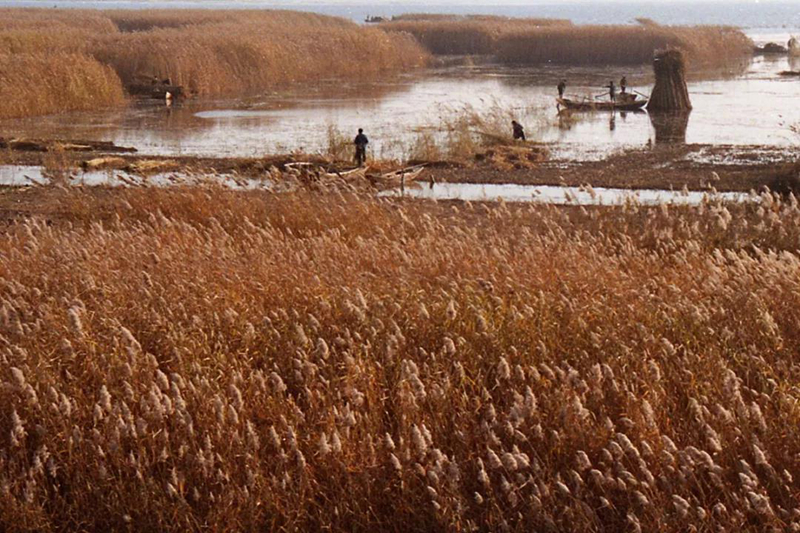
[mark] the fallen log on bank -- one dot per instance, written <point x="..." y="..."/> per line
<point x="55" y="145"/>
<point x="407" y="171"/>
<point x="152" y="166"/>
<point x="104" y="163"/>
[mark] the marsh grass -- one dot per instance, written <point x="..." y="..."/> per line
<point x="533" y="41"/>
<point x="425" y="147"/>
<point x="75" y="60"/>
<point x="464" y="134"/>
<point x="340" y="146"/>
<point x="47" y="82"/>
<point x="200" y="359"/>
<point x="459" y="35"/>
<point x="704" y="46"/>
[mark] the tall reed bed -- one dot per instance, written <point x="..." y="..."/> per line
<point x="45" y="66"/>
<point x="249" y="56"/>
<point x="65" y="81"/>
<point x="474" y="35"/>
<point x="708" y="46"/>
<point x="534" y="41"/>
<point x="209" y="52"/>
<point x="184" y="360"/>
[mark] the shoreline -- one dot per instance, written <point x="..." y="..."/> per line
<point x="695" y="167"/>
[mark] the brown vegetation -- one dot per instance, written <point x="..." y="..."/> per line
<point x="534" y="41"/>
<point x="63" y="81"/>
<point x="709" y="46"/>
<point x="484" y="136"/>
<point x="454" y="35"/>
<point x="670" y="93"/>
<point x="192" y="360"/>
<point x="207" y="52"/>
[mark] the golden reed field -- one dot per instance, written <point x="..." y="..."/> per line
<point x="187" y="360"/>
<point x="535" y="41"/>
<point x="75" y="60"/>
<point x="473" y="34"/>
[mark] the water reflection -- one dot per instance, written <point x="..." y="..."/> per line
<point x="670" y="127"/>
<point x="752" y="109"/>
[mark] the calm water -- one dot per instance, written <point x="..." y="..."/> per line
<point x="754" y="14"/>
<point x="17" y="175"/>
<point x="753" y="107"/>
<point x="559" y="195"/>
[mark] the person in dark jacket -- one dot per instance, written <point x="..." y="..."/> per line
<point x="519" y="131"/>
<point x="562" y="86"/>
<point x="612" y="91"/>
<point x="361" y="143"/>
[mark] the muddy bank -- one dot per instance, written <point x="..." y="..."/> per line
<point x="696" y="167"/>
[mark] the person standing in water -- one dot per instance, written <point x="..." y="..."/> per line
<point x="519" y="131"/>
<point x="361" y="143"/>
<point x="562" y="86"/>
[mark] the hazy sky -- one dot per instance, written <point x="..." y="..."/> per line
<point x="533" y="2"/>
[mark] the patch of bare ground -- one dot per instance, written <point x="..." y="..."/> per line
<point x="695" y="167"/>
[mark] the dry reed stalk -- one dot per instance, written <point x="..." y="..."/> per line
<point x="194" y="359"/>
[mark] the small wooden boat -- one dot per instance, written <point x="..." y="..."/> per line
<point x="623" y="103"/>
<point x="790" y="73"/>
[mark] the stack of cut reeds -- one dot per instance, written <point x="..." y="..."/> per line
<point x="670" y="92"/>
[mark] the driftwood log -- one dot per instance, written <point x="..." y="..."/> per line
<point x="670" y="93"/>
<point x="50" y="145"/>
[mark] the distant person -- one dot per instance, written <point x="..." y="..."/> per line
<point x="612" y="91"/>
<point x="519" y="131"/>
<point x="361" y="143"/>
<point x="623" y="84"/>
<point x="562" y="86"/>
